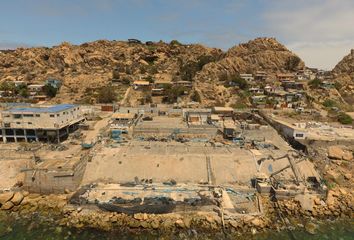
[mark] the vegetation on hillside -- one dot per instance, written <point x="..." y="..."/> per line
<point x="106" y="94"/>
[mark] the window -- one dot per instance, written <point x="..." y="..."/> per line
<point x="38" y="115"/>
<point x="29" y="123"/>
<point x="28" y="115"/>
<point x="299" y="135"/>
<point x="18" y="122"/>
<point x="58" y="115"/>
<point x="51" y="115"/>
<point x="17" y="116"/>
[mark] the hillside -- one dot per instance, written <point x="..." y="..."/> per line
<point x="261" y="54"/>
<point x="87" y="67"/>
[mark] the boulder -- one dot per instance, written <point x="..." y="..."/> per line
<point x="6" y="196"/>
<point x="17" y="198"/>
<point x="257" y="222"/>
<point x="7" y="206"/>
<point x="310" y="228"/>
<point x="338" y="152"/>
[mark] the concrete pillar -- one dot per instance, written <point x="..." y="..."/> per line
<point x="35" y="133"/>
<point x="15" y="135"/>
<point x="3" y="135"/>
<point x="25" y="134"/>
<point x="58" y="136"/>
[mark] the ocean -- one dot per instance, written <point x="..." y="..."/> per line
<point x="15" y="229"/>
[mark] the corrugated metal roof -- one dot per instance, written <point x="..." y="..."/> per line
<point x="51" y="109"/>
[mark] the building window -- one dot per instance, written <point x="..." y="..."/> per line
<point x="29" y="123"/>
<point x="28" y="115"/>
<point x="58" y="115"/>
<point x="38" y="115"/>
<point x="17" y="116"/>
<point x="18" y="122"/>
<point x="299" y="135"/>
<point x="51" y="115"/>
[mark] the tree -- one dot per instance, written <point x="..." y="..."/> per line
<point x="24" y="92"/>
<point x="50" y="91"/>
<point x="172" y="93"/>
<point x="106" y="95"/>
<point x="292" y="63"/>
<point x="242" y="83"/>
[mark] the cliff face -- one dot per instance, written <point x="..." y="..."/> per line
<point x="94" y="64"/>
<point x="344" y="75"/>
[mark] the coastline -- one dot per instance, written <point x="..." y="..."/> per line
<point x="288" y="215"/>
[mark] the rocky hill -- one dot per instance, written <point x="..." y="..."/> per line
<point x="344" y="75"/>
<point x="86" y="67"/>
<point x="261" y="54"/>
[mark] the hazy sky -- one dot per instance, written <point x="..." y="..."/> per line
<point x="320" y="31"/>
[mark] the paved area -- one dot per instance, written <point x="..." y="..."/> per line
<point x="185" y="163"/>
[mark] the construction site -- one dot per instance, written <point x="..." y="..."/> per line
<point x="162" y="159"/>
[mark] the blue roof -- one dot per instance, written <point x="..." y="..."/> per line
<point x="51" y="109"/>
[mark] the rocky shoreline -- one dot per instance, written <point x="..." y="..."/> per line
<point x="289" y="214"/>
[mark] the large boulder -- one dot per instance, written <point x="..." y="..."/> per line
<point x="17" y="198"/>
<point x="7" y="206"/>
<point x="339" y="152"/>
<point x="5" y="197"/>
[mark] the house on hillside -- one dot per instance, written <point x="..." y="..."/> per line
<point x="141" y="85"/>
<point x="260" y="76"/>
<point x="285" y="77"/>
<point x="247" y="76"/>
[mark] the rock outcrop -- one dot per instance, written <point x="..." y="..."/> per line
<point x="344" y="75"/>
<point x="261" y="54"/>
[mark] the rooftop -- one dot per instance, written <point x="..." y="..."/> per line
<point x="42" y="109"/>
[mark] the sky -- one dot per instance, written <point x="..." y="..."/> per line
<point x="321" y="32"/>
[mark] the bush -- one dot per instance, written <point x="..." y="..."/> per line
<point x="315" y="83"/>
<point x="196" y="97"/>
<point x="175" y="42"/>
<point x="106" y="95"/>
<point x="150" y="79"/>
<point x="337" y="85"/>
<point x="239" y="105"/>
<point x="328" y="103"/>
<point x="344" y="118"/>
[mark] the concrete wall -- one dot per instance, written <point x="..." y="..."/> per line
<point x="47" y="181"/>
